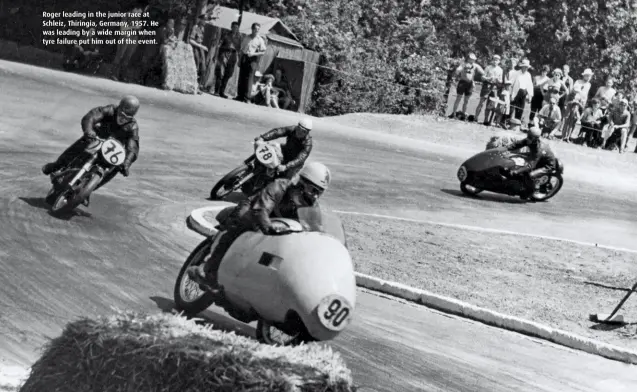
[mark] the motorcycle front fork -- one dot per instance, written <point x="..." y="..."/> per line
<point x="86" y="167"/>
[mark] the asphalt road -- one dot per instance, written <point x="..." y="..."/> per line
<point x="125" y="250"/>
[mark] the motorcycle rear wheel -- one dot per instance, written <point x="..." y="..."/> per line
<point x="196" y="305"/>
<point x="227" y="184"/>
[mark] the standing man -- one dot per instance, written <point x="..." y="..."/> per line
<point x="492" y="76"/>
<point x="199" y="50"/>
<point x="465" y="74"/>
<point x="227" y="59"/>
<point x="522" y="91"/>
<point x="252" y="48"/>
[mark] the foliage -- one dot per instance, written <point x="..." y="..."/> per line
<point x="391" y="55"/>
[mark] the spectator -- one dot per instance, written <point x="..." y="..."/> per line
<point x="198" y="49"/>
<point x="466" y="74"/>
<point x="550" y="118"/>
<point x="492" y="77"/>
<point x="573" y="112"/>
<point x="511" y="69"/>
<point x="125" y="51"/>
<point x="607" y="91"/>
<point x="539" y="83"/>
<point x="568" y="81"/>
<point x="522" y="89"/>
<point x="585" y="84"/>
<point x="227" y="59"/>
<point x="591" y="123"/>
<point x="557" y="88"/>
<point x="492" y="105"/>
<point x="265" y="94"/>
<point x="619" y="120"/>
<point x="633" y="124"/>
<point x="282" y="87"/>
<point x="256" y="86"/>
<point x="252" y="48"/>
<point x="504" y="107"/>
<point x="81" y="57"/>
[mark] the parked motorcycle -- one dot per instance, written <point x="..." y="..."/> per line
<point x="299" y="286"/>
<point x="255" y="172"/>
<point x="74" y="183"/>
<point x="490" y="171"/>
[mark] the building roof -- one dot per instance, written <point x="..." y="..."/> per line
<point x="224" y="16"/>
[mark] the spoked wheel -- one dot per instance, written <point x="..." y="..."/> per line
<point x="188" y="294"/>
<point x="229" y="183"/>
<point x="547" y="187"/>
<point x="269" y="334"/>
<point x="469" y="189"/>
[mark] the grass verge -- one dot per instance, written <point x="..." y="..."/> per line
<point x="161" y="352"/>
<point x="536" y="279"/>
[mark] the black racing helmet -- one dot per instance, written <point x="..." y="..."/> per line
<point x="129" y="105"/>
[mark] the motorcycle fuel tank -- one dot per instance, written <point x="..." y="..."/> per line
<point x="496" y="157"/>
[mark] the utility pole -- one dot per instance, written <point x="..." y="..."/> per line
<point x="241" y="3"/>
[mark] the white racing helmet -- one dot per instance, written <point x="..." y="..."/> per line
<point x="316" y="173"/>
<point x="306" y="123"/>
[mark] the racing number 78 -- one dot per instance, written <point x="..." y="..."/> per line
<point x="336" y="312"/>
<point x="266" y="153"/>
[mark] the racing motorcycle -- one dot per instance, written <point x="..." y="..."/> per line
<point x="489" y="171"/>
<point x="254" y="174"/>
<point x="299" y="285"/>
<point x="74" y="183"/>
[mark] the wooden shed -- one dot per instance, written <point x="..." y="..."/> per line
<point x="283" y="51"/>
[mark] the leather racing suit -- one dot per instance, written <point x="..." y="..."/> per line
<point x="295" y="151"/>
<point x="542" y="161"/>
<point x="101" y="121"/>
<point x="253" y="214"/>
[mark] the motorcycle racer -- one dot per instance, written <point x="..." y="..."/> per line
<point x="297" y="147"/>
<point x="280" y="198"/>
<point x="113" y="121"/>
<point x="542" y="160"/>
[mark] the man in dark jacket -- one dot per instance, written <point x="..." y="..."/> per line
<point x="282" y="197"/>
<point x="542" y="160"/>
<point x="113" y="121"/>
<point x="297" y="147"/>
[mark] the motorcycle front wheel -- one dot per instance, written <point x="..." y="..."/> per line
<point x="189" y="297"/>
<point x="230" y="182"/>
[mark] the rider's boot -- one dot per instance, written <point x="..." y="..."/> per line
<point x="50" y="168"/>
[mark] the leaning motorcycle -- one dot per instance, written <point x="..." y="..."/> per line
<point x="255" y="172"/>
<point x="299" y="285"/>
<point x="490" y="171"/>
<point x="75" y="182"/>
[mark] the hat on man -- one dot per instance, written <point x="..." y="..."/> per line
<point x="472" y="56"/>
<point x="524" y="63"/>
<point x="497" y="57"/>
<point x="587" y="71"/>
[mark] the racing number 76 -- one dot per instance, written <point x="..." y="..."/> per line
<point x="336" y="312"/>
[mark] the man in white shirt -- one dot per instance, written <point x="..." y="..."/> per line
<point x="522" y="90"/>
<point x="585" y="85"/>
<point x="252" y="48"/>
<point x="492" y="76"/>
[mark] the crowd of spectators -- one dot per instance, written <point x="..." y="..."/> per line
<point x="143" y="64"/>
<point x="559" y="104"/>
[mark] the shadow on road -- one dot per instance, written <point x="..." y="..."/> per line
<point x="487" y="196"/>
<point x="39" y="202"/>
<point x="208" y="317"/>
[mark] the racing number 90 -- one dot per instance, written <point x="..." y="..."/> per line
<point x="336" y="312"/>
<point x="267" y="154"/>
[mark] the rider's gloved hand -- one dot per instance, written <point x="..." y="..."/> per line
<point x="258" y="140"/>
<point x="91" y="135"/>
<point x="281" y="169"/>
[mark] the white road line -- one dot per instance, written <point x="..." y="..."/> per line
<point x="483" y="229"/>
